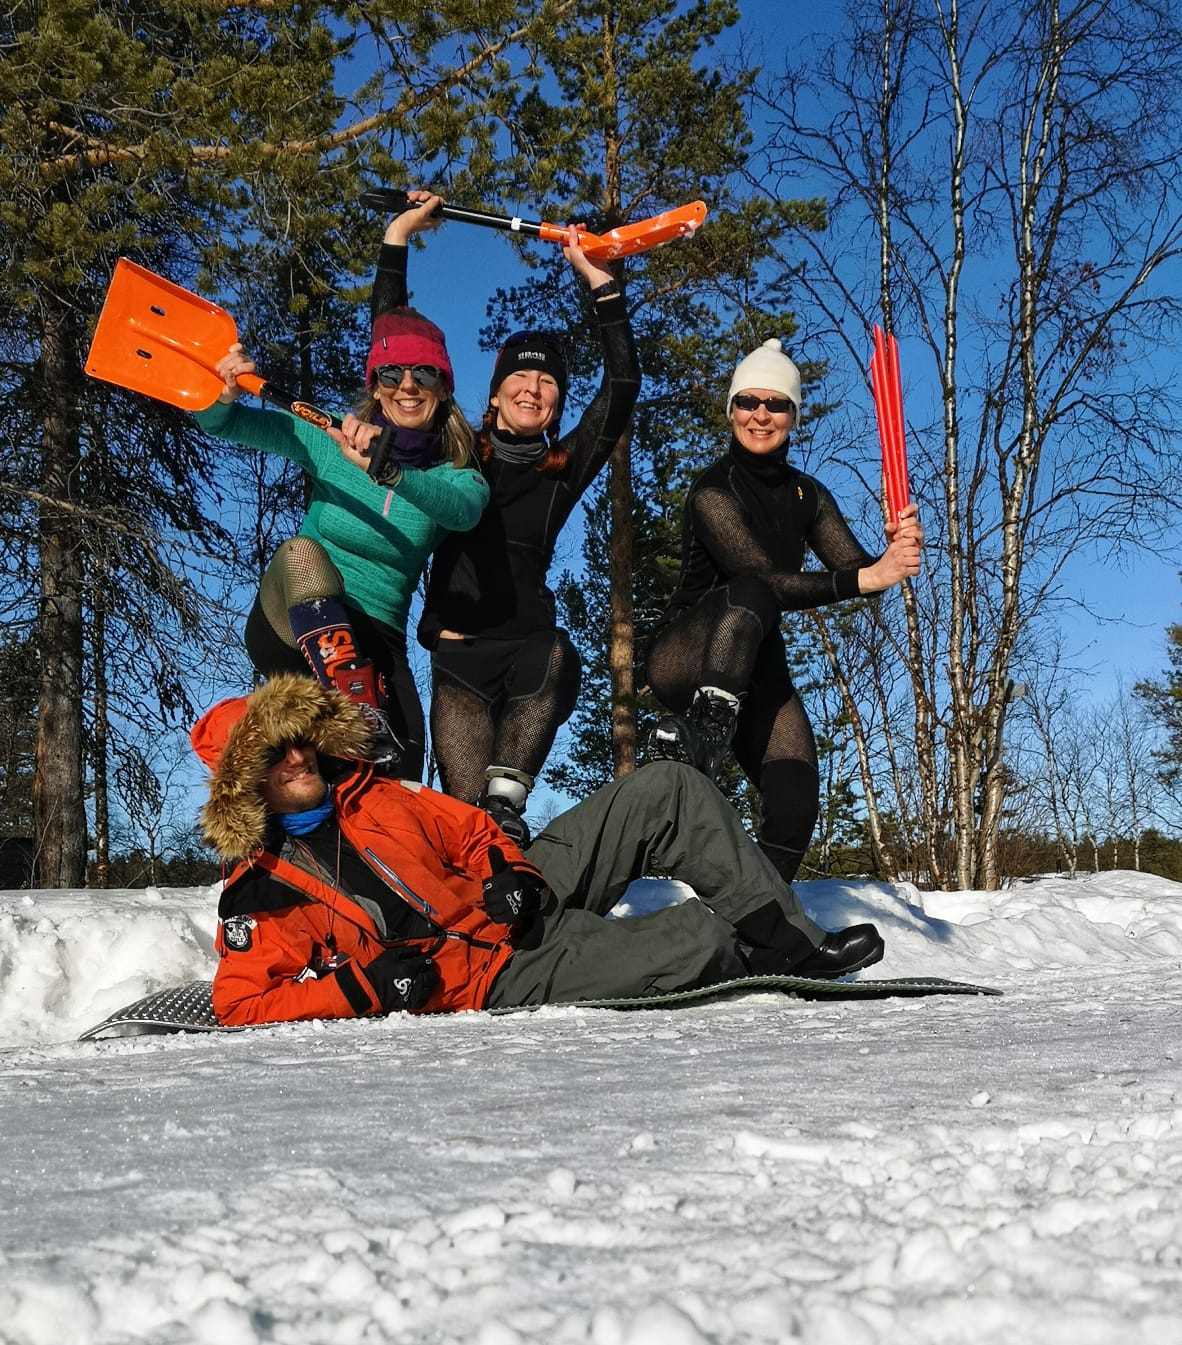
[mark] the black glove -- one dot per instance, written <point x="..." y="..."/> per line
<point x="402" y="978"/>
<point x="511" y="893"/>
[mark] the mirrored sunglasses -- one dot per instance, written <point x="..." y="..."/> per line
<point x="778" y="406"/>
<point x="425" y="375"/>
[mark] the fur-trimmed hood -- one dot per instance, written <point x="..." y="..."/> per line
<point x="233" y="740"/>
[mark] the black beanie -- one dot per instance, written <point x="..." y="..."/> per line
<point x="532" y="350"/>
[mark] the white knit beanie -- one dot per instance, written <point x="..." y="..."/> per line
<point x="768" y="367"/>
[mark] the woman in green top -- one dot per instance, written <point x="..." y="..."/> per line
<point x="335" y="597"/>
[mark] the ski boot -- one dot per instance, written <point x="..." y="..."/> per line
<point x="701" y="737"/>
<point x="503" y="799"/>
<point x="359" y="681"/>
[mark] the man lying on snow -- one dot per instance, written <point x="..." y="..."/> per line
<point x="358" y="894"/>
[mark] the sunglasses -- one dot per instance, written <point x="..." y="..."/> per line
<point x="551" y="340"/>
<point x="425" y="375"/>
<point x="778" y="406"/>
<point x="274" y="755"/>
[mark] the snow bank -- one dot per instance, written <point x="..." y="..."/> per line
<point x="67" y="959"/>
<point x="70" y="958"/>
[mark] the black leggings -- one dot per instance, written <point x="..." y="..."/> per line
<point x="731" y="639"/>
<point x="499" y="703"/>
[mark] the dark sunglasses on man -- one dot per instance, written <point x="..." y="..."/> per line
<point x="426" y="376"/>
<point x="274" y="755"/>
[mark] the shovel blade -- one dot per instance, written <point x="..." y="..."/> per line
<point x="630" y="239"/>
<point x="159" y="339"/>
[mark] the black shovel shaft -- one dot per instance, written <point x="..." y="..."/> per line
<point x="379" y="465"/>
<point x="394" y="200"/>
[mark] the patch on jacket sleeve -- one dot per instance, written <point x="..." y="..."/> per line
<point x="237" y="931"/>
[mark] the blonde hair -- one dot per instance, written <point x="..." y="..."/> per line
<point x="459" y="443"/>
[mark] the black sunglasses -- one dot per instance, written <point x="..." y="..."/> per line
<point x="551" y="340"/>
<point x="778" y="406"/>
<point x="425" y="375"/>
<point x="274" y="755"/>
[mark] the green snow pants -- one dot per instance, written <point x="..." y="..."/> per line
<point x="669" y="815"/>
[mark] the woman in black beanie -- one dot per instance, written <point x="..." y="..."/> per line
<point x="505" y="676"/>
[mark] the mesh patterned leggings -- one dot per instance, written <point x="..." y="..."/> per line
<point x="731" y="639"/>
<point x="301" y="571"/>
<point x="499" y="703"/>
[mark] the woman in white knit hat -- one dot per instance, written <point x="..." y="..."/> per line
<point x="717" y="659"/>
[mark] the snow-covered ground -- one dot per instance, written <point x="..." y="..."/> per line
<point x="937" y="1170"/>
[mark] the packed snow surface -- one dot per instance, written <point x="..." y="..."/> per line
<point x="941" y="1170"/>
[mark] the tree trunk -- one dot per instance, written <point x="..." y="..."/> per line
<point x="101" y="872"/>
<point x="59" y="814"/>
<point x="621" y="636"/>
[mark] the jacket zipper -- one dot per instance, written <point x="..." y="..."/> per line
<point x="409" y="895"/>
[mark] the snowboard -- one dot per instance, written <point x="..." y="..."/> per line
<point x="189" y="1008"/>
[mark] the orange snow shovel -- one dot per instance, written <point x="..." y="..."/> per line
<point x="156" y="338"/>
<point x="625" y="241"/>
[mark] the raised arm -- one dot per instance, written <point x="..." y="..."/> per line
<point x="591" y="441"/>
<point x="389" y="286"/>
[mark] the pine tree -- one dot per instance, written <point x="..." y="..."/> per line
<point x="209" y="143"/>
<point x="1163" y="696"/>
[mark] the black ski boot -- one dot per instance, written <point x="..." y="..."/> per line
<point x="701" y="737"/>
<point x="503" y="799"/>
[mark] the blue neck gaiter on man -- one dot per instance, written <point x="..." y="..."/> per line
<point x="299" y="824"/>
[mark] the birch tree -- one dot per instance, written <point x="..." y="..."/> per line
<point x="1003" y="186"/>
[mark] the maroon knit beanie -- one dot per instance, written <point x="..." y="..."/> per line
<point x="407" y="337"/>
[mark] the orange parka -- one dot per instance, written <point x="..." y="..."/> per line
<point x="294" y="945"/>
<point x="307" y="959"/>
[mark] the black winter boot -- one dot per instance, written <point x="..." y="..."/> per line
<point x="700" y="738"/>
<point x="843" y="951"/>
<point x="503" y="799"/>
<point x="773" y="947"/>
